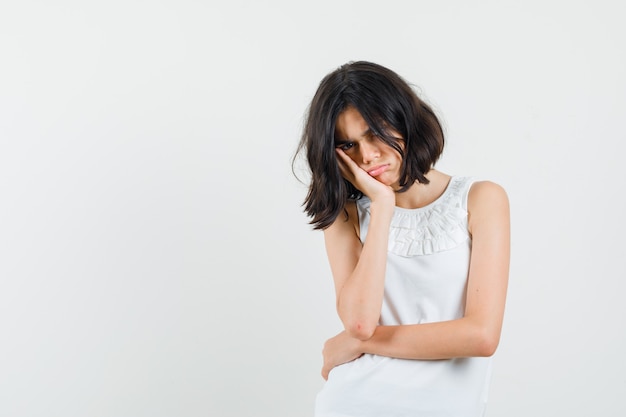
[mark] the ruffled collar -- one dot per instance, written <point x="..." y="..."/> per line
<point x="439" y="226"/>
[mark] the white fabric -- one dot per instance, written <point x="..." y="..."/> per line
<point x="427" y="268"/>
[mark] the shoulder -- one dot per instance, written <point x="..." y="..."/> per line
<point x="485" y="190"/>
<point x="342" y="241"/>
<point x="347" y="221"/>
<point x="487" y="202"/>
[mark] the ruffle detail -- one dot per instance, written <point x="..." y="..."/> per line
<point x="439" y="226"/>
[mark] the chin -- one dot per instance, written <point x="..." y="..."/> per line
<point x="393" y="183"/>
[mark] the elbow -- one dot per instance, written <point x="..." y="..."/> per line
<point x="487" y="344"/>
<point x="361" y="330"/>
<point x="357" y="323"/>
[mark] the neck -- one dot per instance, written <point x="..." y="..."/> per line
<point x="420" y="195"/>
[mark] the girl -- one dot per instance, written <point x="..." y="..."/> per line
<point x="419" y="258"/>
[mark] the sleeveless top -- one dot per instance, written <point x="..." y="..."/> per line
<point x="426" y="276"/>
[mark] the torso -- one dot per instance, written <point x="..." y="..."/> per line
<point x="427" y="269"/>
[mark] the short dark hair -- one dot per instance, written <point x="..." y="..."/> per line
<point x="386" y="102"/>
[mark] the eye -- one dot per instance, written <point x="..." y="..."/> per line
<point x="346" y="146"/>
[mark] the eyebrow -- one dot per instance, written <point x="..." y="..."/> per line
<point x="366" y="133"/>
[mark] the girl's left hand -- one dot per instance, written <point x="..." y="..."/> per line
<point x="338" y="350"/>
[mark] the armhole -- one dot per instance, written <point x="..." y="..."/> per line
<point x="353" y="217"/>
<point x="464" y="202"/>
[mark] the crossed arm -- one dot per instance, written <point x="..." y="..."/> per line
<point x="358" y="272"/>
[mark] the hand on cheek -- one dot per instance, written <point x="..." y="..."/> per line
<point x="363" y="181"/>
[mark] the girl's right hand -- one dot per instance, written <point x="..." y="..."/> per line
<point x="370" y="186"/>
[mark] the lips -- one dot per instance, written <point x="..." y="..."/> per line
<point x="377" y="170"/>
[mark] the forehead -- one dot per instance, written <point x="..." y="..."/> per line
<point x="351" y="125"/>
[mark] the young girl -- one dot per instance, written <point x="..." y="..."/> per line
<point x="419" y="258"/>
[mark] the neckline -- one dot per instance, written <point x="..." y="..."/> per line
<point x="442" y="196"/>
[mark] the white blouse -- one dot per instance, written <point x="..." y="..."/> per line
<point x="425" y="281"/>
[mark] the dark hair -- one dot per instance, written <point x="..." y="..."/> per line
<point x="386" y="102"/>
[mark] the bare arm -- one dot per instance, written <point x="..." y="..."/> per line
<point x="359" y="269"/>
<point x="477" y="333"/>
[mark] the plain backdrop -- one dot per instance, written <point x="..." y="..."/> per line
<point x="154" y="257"/>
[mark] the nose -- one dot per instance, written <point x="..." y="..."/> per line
<point x="369" y="152"/>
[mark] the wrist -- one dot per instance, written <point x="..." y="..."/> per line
<point x="384" y="195"/>
<point x="361" y="345"/>
<point x="382" y="207"/>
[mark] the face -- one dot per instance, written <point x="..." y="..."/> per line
<point x="354" y="136"/>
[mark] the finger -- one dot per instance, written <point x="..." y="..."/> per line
<point x="349" y="163"/>
<point x="343" y="166"/>
<point x="349" y="169"/>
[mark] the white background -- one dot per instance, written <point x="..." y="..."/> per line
<point x="155" y="260"/>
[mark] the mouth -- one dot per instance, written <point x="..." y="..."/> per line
<point x="377" y="170"/>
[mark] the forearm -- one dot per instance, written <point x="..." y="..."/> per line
<point x="360" y="299"/>
<point x="442" y="340"/>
